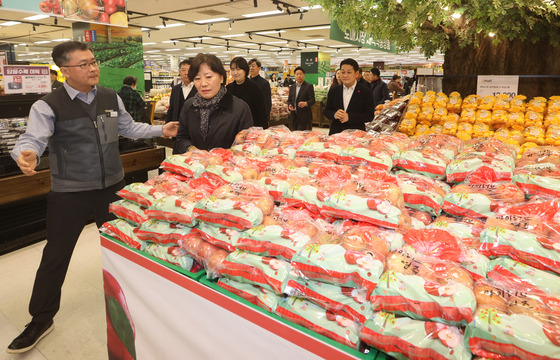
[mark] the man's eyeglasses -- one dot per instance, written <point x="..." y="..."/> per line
<point x="85" y="66"/>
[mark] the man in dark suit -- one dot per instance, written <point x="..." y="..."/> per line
<point x="379" y="88"/>
<point x="288" y="81"/>
<point x="349" y="106"/>
<point x="180" y="92"/>
<point x="254" y="71"/>
<point x="300" y="100"/>
<point x="360" y="78"/>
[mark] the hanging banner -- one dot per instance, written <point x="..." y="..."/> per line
<point x="497" y="84"/>
<point x="109" y="13"/>
<point x="360" y="38"/>
<point x="25" y="79"/>
<point x="310" y="62"/>
<point x="52" y="7"/>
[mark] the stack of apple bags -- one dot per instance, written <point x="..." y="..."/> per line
<point x="356" y="236"/>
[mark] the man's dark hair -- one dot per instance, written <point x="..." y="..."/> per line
<point x="241" y="63"/>
<point x="61" y="52"/>
<point x="395" y="77"/>
<point x="360" y="70"/>
<point x="288" y="75"/>
<point x="350" y="62"/>
<point x="256" y="62"/>
<point x="130" y="80"/>
<point x="375" y="71"/>
<point x="212" y="61"/>
<point x="54" y="72"/>
<point x="185" y="62"/>
<point x="299" y="68"/>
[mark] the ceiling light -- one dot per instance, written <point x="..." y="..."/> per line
<point x="210" y="20"/>
<point x="34" y="28"/>
<point x="264" y="13"/>
<point x="10" y="23"/>
<point x="339" y="46"/>
<point x="36" y="17"/>
<point x="167" y="41"/>
<point x="216" y="46"/>
<point x="279" y="8"/>
<point x="151" y="51"/>
<point x="274" y="42"/>
<point x="173" y="49"/>
<point x="199" y="38"/>
<point x="170" y="25"/>
<point x="309" y="40"/>
<point x="42" y="42"/>
<point x="230" y="24"/>
<point x="316" y="28"/>
<point x="191" y="48"/>
<point x="63" y="39"/>
<point x="144" y="29"/>
<point x="311" y="7"/>
<point x="232" y="35"/>
<point x="301" y="16"/>
<point x="149" y="43"/>
<point x="270" y="32"/>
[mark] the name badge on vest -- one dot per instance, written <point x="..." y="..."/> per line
<point x="111" y="113"/>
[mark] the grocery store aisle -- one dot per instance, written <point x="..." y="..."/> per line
<point x="80" y="325"/>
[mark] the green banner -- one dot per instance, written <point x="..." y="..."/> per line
<point x="310" y="62"/>
<point x="360" y="38"/>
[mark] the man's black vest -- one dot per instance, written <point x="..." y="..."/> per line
<point x="84" y="148"/>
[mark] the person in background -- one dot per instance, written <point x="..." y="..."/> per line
<point x="248" y="91"/>
<point x="288" y="81"/>
<point x="300" y="100"/>
<point x="360" y="79"/>
<point x="133" y="102"/>
<point x="55" y="84"/>
<point x="394" y="86"/>
<point x="81" y="123"/>
<point x="273" y="80"/>
<point x="336" y="79"/>
<point x="379" y="88"/>
<point x="213" y="117"/>
<point x="254" y="70"/>
<point x="349" y="106"/>
<point x="180" y="92"/>
<point x="367" y="77"/>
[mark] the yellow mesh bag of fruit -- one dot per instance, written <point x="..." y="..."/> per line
<point x="468" y="115"/>
<point x="487" y="102"/>
<point x="534" y="134"/>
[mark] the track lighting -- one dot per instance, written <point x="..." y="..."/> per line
<point x="247" y="51"/>
<point x="301" y="16"/>
<point x="279" y="8"/>
<point x="208" y="28"/>
<point x="34" y="28"/>
<point x="230" y="24"/>
<point x="174" y="43"/>
<point x="279" y="33"/>
<point x="305" y="44"/>
<point x="254" y="3"/>
<point x="337" y="50"/>
<point x="250" y="36"/>
<point x="148" y="34"/>
<point x="288" y="11"/>
<point x="56" y="21"/>
<point x="260" y="47"/>
<point x="163" y="22"/>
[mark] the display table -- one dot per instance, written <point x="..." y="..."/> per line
<point x="178" y="317"/>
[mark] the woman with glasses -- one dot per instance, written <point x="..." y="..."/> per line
<point x="247" y="91"/>
<point x="213" y="117"/>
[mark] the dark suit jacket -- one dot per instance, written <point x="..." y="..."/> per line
<point x="265" y="87"/>
<point x="176" y="101"/>
<point x="360" y="109"/>
<point x="302" y="117"/>
<point x="380" y="92"/>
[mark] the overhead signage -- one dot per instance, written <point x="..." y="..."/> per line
<point x="497" y="84"/>
<point x="360" y="38"/>
<point x="310" y="62"/>
<point x="26" y="79"/>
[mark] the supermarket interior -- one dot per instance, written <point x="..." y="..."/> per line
<point x="383" y="182"/>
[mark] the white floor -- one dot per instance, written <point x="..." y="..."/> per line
<point x="80" y="325"/>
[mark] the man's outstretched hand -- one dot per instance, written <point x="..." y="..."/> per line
<point x="27" y="162"/>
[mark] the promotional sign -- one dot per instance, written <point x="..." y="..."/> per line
<point x="497" y="84"/>
<point x="360" y="38"/>
<point x="310" y="62"/>
<point x="52" y="7"/>
<point x="25" y="79"/>
<point x="108" y="13"/>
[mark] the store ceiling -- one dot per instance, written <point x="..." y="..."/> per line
<point x="272" y="39"/>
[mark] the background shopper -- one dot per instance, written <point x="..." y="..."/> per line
<point x="300" y="100"/>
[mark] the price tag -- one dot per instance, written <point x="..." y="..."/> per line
<point x="497" y="84"/>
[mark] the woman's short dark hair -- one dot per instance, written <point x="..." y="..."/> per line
<point x="299" y="68"/>
<point x="241" y="63"/>
<point x="350" y="62"/>
<point x="61" y="52"/>
<point x="212" y="61"/>
<point x="130" y="80"/>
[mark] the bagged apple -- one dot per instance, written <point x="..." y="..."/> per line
<point x="210" y="256"/>
<point x="122" y="230"/>
<point x="467" y="228"/>
<point x="425" y="288"/>
<point x="324" y="322"/>
<point x="421" y="192"/>
<point x="405" y="338"/>
<point x="191" y="164"/>
<point x="170" y="183"/>
<point x="238" y="206"/>
<point x="173" y="254"/>
<point x="161" y="232"/>
<point x="248" y="292"/>
<point x="221" y="237"/>
<point x="481" y="200"/>
<point x="512" y="324"/>
<point x="141" y="194"/>
<point x="176" y="208"/>
<point x="349" y="302"/>
<point x="129" y="211"/>
<point x="266" y="272"/>
<point x="538" y="171"/>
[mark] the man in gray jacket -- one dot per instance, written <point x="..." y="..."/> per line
<point x="81" y="123"/>
<point x="379" y="88"/>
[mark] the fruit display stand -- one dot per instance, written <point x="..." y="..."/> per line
<point x="177" y="314"/>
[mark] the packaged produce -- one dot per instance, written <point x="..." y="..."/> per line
<point x="281" y="235"/>
<point x="533" y="118"/>
<point x="405" y="338"/>
<point x="176" y="209"/>
<point x="439" y="115"/>
<point x="171" y="183"/>
<point x="449" y="127"/>
<point x="161" y="232"/>
<point x="487" y="103"/>
<point x="425" y="288"/>
<point x="537" y="104"/>
<point x="553" y="134"/>
<point x="266" y="272"/>
<point x="421" y="192"/>
<point x="191" y="163"/>
<point x="428" y="155"/>
<point x="305" y="313"/>
<point x="124" y="231"/>
<point x="481" y="130"/>
<point x="517" y="104"/>
<point x="471" y="102"/>
<point x="512" y="324"/>
<point x="248" y="292"/>
<point x="481" y="200"/>
<point x="484" y="116"/>
<point x="538" y="171"/>
<point x="436" y="129"/>
<point x="210" y="256"/>
<point x="455" y="103"/>
<point x="416" y="98"/>
<point x="349" y="302"/>
<point x="223" y="238"/>
<point x="239" y="206"/>
<point x="129" y="211"/>
<point x="407" y="126"/>
<point x="464" y="131"/>
<point x="429" y="99"/>
<point x="467" y="228"/>
<point x="502" y="103"/>
<point x="516" y="120"/>
<point x="468" y="115"/>
<point x="140" y="194"/>
<point x="426" y="114"/>
<point x="172" y="254"/>
<point x="422" y="129"/>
